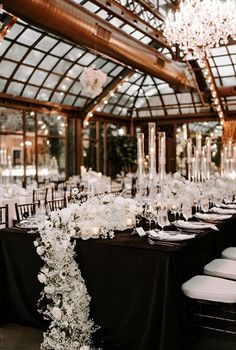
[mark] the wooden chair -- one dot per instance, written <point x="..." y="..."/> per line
<point x="58" y="194"/>
<point x="4" y="216"/>
<point x="40" y="195"/>
<point x="56" y="204"/>
<point x="25" y="210"/>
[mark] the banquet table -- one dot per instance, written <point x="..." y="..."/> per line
<point x="135" y="291"/>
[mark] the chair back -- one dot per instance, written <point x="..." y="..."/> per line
<point x="56" y="204"/>
<point x="58" y="194"/>
<point x="25" y="210"/>
<point x="40" y="195"/>
<point x="4" y="216"/>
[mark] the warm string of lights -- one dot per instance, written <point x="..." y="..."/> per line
<point x="214" y="90"/>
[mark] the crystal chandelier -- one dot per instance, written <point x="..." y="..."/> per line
<point x="200" y="25"/>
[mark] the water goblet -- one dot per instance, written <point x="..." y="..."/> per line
<point x="162" y="218"/>
<point x="204" y="203"/>
<point x="187" y="210"/>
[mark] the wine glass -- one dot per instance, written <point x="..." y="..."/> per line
<point x="162" y="218"/>
<point x="204" y="203"/>
<point x="187" y="210"/>
<point x="149" y="214"/>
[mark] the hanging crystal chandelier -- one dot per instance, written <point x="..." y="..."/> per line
<point x="200" y="25"/>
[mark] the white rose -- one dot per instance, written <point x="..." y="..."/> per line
<point x="56" y="313"/>
<point x="49" y="289"/>
<point x="42" y="278"/>
<point x="74" y="191"/>
<point x="85" y="347"/>
<point x="40" y="250"/>
<point x="85" y="234"/>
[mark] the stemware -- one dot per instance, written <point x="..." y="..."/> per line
<point x="204" y="203"/>
<point x="149" y="214"/>
<point x="187" y="210"/>
<point x="162" y="218"/>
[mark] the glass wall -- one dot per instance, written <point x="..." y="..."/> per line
<point x="32" y="146"/>
<point x="212" y="130"/>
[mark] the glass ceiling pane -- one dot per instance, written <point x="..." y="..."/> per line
<point x="74" y="71"/>
<point x="23" y="73"/>
<point x="52" y="81"/>
<point x="226" y="71"/>
<point x="30" y="91"/>
<point x="62" y="67"/>
<point x="48" y="62"/>
<point x="6" y="68"/>
<point x="222" y="60"/>
<point x="34" y="57"/>
<point x="16" y="51"/>
<point x="15" y="31"/>
<point x="86" y="59"/>
<point x="61" y="49"/>
<point x="65" y="84"/>
<point x="4" y="45"/>
<point x="15" y="88"/>
<point x="232" y="48"/>
<point x="46" y="43"/>
<point x="74" y="54"/>
<point x="219" y="51"/>
<point x="2" y="84"/>
<point x="38" y="77"/>
<point x="44" y="94"/>
<point x="29" y="36"/>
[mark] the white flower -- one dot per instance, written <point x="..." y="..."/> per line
<point x="85" y="347"/>
<point x="49" y="289"/>
<point x="42" y="278"/>
<point x="40" y="250"/>
<point x="56" y="313"/>
<point x="74" y="191"/>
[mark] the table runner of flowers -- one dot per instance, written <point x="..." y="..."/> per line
<point x="65" y="300"/>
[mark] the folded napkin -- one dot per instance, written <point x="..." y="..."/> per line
<point x="217" y="210"/>
<point x="169" y="235"/>
<point x="228" y="206"/>
<point x="212" y="216"/>
<point x="194" y="225"/>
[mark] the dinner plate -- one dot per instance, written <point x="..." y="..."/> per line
<point x="170" y="236"/>
<point x="26" y="224"/>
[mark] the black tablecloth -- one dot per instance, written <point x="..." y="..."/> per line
<point x="135" y="287"/>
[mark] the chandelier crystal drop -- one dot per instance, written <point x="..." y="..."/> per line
<point x="200" y="25"/>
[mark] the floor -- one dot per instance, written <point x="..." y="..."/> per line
<point x="15" y="337"/>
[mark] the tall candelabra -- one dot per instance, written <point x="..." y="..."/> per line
<point x="228" y="160"/>
<point x="199" y="159"/>
<point x="140" y="156"/>
<point x="152" y="158"/>
<point x="152" y="161"/>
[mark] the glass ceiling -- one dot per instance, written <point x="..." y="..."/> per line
<point x="41" y="66"/>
